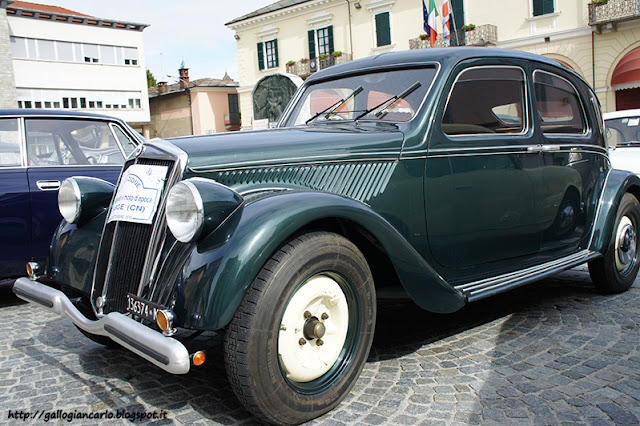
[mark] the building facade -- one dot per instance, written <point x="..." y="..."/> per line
<point x="301" y="36"/>
<point x="199" y="107"/>
<point x="63" y="59"/>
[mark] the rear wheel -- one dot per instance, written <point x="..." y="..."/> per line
<point x="302" y="334"/>
<point x="617" y="270"/>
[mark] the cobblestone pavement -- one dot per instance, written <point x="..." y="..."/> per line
<point x="555" y="352"/>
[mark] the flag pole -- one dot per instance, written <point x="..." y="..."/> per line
<point x="453" y="19"/>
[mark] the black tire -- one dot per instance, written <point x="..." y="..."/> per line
<point x="617" y="270"/>
<point x="255" y="361"/>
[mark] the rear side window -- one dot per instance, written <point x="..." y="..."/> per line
<point x="558" y="103"/>
<point x="486" y="100"/>
<point x="9" y="143"/>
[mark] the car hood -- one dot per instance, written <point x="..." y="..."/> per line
<point x="290" y="146"/>
<point x="626" y="158"/>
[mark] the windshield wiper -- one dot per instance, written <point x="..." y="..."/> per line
<point x="390" y="101"/>
<point x="331" y="108"/>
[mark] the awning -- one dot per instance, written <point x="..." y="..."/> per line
<point x="628" y="69"/>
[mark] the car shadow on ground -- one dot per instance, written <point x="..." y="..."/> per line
<point x="115" y="378"/>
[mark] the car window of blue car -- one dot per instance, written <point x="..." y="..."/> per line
<point x="9" y="143"/>
<point x="71" y="142"/>
<point x="125" y="141"/>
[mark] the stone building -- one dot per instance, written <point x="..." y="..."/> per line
<point x="298" y="37"/>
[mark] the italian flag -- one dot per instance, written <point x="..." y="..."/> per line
<point x="430" y="20"/>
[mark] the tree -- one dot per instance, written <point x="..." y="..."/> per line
<point x="151" y="80"/>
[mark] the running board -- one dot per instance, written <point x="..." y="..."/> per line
<point x="488" y="287"/>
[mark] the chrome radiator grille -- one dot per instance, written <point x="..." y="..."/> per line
<point x="124" y="253"/>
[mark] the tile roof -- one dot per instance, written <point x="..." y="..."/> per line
<point x="282" y="4"/>
<point x="45" y="8"/>
<point x="201" y="82"/>
<point x="43" y="11"/>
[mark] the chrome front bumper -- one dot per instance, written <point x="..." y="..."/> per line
<point x="165" y="352"/>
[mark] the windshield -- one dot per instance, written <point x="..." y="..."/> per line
<point x="622" y="131"/>
<point x="349" y="98"/>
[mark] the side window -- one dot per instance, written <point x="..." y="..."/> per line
<point x="125" y="141"/>
<point x="71" y="142"/>
<point x="558" y="103"/>
<point x="9" y="143"/>
<point x="486" y="100"/>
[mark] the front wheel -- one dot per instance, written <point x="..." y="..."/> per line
<point x="302" y="334"/>
<point x="617" y="270"/>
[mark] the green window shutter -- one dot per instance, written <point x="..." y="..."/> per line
<point x="275" y="49"/>
<point x="547" y="6"/>
<point x="457" y="7"/>
<point x="383" y="29"/>
<point x="537" y="8"/>
<point x="312" y="44"/>
<point x="260" y="57"/>
<point x="330" y="32"/>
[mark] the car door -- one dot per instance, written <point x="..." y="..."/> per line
<point x="15" y="206"/>
<point x="572" y="159"/>
<point x="480" y="206"/>
<point x="57" y="149"/>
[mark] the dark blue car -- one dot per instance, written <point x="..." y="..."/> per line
<point x="38" y="150"/>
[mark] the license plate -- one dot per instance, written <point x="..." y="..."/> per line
<point x="142" y="308"/>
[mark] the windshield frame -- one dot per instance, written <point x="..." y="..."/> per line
<point x="297" y="97"/>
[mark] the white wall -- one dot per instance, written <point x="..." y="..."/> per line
<point x="106" y="81"/>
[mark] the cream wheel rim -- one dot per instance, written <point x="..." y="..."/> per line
<point x="313" y="329"/>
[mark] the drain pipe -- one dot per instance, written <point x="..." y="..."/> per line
<point x="350" y="35"/>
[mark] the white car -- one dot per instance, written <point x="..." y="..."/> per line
<point x="623" y="138"/>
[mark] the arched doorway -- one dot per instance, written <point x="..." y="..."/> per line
<point x="270" y="96"/>
<point x="626" y="81"/>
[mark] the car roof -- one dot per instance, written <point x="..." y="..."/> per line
<point x="53" y="113"/>
<point x="445" y="55"/>
<point x="621" y="114"/>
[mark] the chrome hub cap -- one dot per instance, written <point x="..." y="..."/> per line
<point x="625" y="244"/>
<point x="313" y="329"/>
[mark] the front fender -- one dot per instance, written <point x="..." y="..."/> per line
<point x="617" y="184"/>
<point x="219" y="270"/>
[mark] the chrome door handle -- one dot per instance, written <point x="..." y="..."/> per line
<point x="551" y="148"/>
<point x="48" y="185"/>
<point x="536" y="148"/>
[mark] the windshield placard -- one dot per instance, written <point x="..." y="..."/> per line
<point x="138" y="194"/>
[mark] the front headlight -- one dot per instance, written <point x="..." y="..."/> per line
<point x="196" y="207"/>
<point x="82" y="198"/>
<point x="185" y="211"/>
<point x="69" y="198"/>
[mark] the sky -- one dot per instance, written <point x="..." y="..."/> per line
<point x="189" y="30"/>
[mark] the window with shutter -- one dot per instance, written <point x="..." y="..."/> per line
<point x="260" y="57"/>
<point x="311" y="34"/>
<point x="383" y="29"/>
<point x="542" y="7"/>
<point x="271" y="51"/>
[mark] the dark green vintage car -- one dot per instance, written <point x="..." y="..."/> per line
<point x="441" y="175"/>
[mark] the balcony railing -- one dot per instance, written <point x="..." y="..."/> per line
<point x="482" y="35"/>
<point x="613" y="11"/>
<point x="308" y="67"/>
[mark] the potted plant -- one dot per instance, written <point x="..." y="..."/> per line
<point x="291" y="63"/>
<point x="337" y="54"/>
<point x="468" y="27"/>
<point x="423" y="37"/>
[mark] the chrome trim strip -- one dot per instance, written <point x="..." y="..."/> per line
<point x="164" y="352"/>
<point x="599" y="209"/>
<point x="291" y="162"/>
<point x="490" y="286"/>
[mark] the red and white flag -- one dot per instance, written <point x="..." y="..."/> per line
<point x="446" y="29"/>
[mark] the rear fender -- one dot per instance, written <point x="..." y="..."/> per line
<point x="218" y="271"/>
<point x="617" y="184"/>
